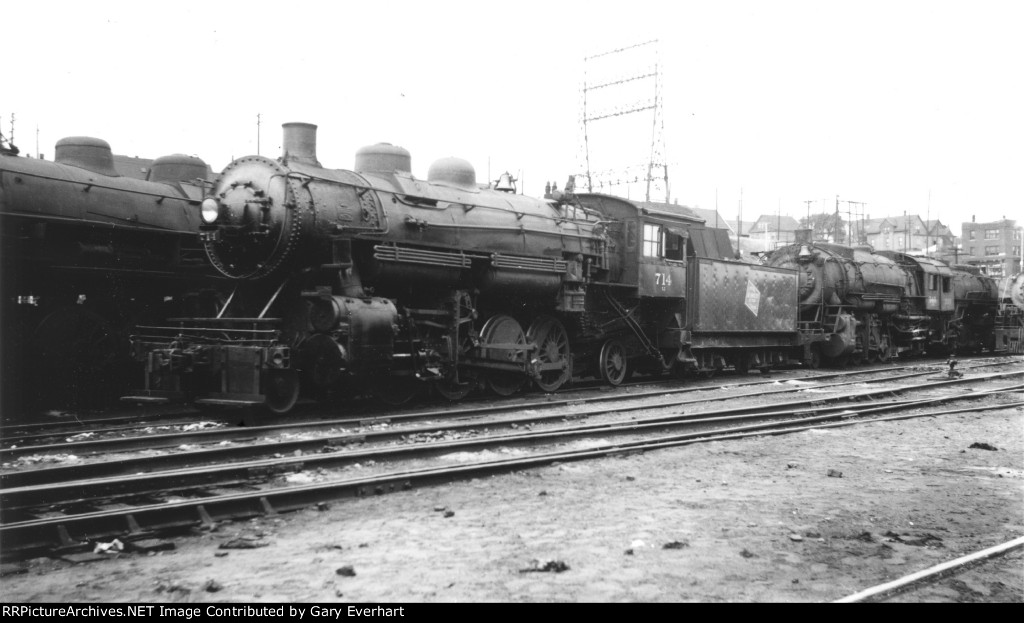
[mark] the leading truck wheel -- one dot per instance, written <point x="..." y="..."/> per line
<point x="552" y="349"/>
<point x="280" y="391"/>
<point x="613" y="364"/>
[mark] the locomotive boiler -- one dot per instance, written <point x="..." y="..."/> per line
<point x="86" y="254"/>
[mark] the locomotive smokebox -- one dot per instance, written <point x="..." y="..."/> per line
<point x="300" y="142"/>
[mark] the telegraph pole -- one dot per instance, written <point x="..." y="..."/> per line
<point x="927" y="225"/>
<point x="258" y="133"/>
<point x="836" y="230"/>
<point x="739" y="224"/>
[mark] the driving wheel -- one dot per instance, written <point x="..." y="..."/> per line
<point x="504" y="331"/>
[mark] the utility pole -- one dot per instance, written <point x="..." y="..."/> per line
<point x="927" y="225"/>
<point x="258" y="120"/>
<point x="739" y="225"/>
<point x="778" y="224"/>
<point x="906" y="230"/>
<point x="835" y="225"/>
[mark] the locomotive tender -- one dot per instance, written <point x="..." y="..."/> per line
<point x="373" y="280"/>
<point x="86" y="255"/>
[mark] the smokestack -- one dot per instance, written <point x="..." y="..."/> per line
<point x="300" y="142"/>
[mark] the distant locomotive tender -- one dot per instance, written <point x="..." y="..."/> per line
<point x="372" y="280"/>
<point x="86" y="255"/>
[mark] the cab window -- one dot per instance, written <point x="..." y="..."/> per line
<point x="652" y="241"/>
<point x="675" y="246"/>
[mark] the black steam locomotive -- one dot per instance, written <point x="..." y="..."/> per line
<point x="348" y="282"/>
<point x="875" y="305"/>
<point x="87" y="254"/>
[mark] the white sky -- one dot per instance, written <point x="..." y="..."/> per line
<point x="881" y="102"/>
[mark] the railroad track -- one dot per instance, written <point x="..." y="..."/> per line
<point x="141" y="510"/>
<point x="153" y="438"/>
<point x="19" y="432"/>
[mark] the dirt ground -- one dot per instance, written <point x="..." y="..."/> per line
<point x="756" y="520"/>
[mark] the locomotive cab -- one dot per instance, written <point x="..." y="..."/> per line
<point x="931" y="282"/>
<point x="662" y="260"/>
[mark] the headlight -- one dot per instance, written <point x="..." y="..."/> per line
<point x="210" y="210"/>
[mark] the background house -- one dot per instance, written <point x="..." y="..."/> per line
<point x="908" y="234"/>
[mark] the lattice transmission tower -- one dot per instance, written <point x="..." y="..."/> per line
<point x="622" y="145"/>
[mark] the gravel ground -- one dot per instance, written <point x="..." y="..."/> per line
<point x="812" y="516"/>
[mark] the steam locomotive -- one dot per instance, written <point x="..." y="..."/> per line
<point x="87" y="254"/>
<point x="373" y="281"/>
<point x="875" y="305"/>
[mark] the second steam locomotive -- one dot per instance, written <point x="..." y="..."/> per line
<point x="371" y="280"/>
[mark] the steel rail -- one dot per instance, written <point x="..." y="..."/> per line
<point x="38" y="535"/>
<point x="185" y="460"/>
<point x="80" y="491"/>
<point x="212" y="435"/>
<point x="57" y="429"/>
<point x="932" y="572"/>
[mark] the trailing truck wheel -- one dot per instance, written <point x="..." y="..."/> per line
<point x="552" y="342"/>
<point x="280" y="391"/>
<point x="613" y="364"/>
<point x="504" y="330"/>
